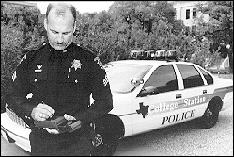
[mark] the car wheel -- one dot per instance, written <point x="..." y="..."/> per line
<point x="210" y="117"/>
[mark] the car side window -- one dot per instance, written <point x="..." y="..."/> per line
<point x="191" y="77"/>
<point x="163" y="79"/>
<point x="207" y="76"/>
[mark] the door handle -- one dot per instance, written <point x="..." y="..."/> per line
<point x="178" y="96"/>
<point x="204" y="91"/>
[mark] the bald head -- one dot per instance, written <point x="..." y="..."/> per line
<point x="60" y="25"/>
<point x="61" y="10"/>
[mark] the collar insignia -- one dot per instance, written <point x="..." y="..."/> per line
<point x="38" y="68"/>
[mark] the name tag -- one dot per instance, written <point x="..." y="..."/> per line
<point x="38" y="70"/>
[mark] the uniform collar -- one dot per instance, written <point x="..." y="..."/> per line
<point x="59" y="54"/>
<point x="66" y="50"/>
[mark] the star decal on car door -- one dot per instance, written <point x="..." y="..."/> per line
<point x="143" y="110"/>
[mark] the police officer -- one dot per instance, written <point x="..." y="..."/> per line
<point x="60" y="76"/>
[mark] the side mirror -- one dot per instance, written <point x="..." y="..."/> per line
<point x="137" y="82"/>
<point x="150" y="90"/>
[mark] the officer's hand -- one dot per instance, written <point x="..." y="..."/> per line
<point x="69" y="117"/>
<point x="42" y="112"/>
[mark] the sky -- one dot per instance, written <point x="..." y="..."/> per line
<point x="81" y="6"/>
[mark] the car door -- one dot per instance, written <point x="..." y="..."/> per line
<point x="195" y="94"/>
<point x="159" y="102"/>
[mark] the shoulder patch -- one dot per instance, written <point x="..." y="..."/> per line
<point x="98" y="61"/>
<point x="31" y="53"/>
<point x="29" y="56"/>
<point x="105" y="80"/>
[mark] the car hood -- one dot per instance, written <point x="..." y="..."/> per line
<point x="122" y="104"/>
<point x="221" y="82"/>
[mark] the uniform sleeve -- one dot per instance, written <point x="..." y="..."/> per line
<point x="18" y="89"/>
<point x="101" y="93"/>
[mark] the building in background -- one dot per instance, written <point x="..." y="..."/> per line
<point x="20" y="3"/>
<point x="187" y="12"/>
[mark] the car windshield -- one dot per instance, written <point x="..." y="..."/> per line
<point x="120" y="76"/>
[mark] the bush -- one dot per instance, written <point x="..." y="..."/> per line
<point x="20" y="32"/>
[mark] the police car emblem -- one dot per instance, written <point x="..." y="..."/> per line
<point x="76" y="64"/>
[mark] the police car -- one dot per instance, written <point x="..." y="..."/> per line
<point x="148" y="95"/>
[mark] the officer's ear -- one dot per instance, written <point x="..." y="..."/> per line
<point x="45" y="24"/>
<point x="74" y="28"/>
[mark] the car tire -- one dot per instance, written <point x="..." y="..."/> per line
<point x="210" y="117"/>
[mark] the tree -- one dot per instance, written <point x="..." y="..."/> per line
<point x="19" y="33"/>
<point x="153" y="24"/>
<point x="219" y="28"/>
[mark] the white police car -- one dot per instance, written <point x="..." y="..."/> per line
<point x="149" y="95"/>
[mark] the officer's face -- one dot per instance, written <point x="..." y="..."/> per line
<point x="59" y="30"/>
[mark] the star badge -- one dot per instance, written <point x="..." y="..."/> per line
<point x="76" y="64"/>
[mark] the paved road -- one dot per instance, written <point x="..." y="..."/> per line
<point x="182" y="139"/>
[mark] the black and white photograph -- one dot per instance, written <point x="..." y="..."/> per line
<point x="116" y="78"/>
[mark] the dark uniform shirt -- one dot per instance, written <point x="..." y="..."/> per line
<point x="63" y="80"/>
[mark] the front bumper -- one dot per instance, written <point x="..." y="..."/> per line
<point x="15" y="133"/>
